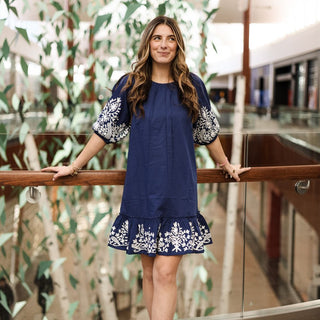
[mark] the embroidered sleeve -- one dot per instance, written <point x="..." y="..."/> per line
<point x="206" y="128"/>
<point x="113" y="123"/>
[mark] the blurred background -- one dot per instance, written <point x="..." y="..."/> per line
<point x="58" y="62"/>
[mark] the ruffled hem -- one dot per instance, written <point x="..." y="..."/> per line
<point x="169" y="236"/>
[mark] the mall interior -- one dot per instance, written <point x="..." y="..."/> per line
<point x="260" y="61"/>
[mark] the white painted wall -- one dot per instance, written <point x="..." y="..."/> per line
<point x="302" y="42"/>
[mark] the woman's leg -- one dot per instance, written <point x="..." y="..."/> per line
<point x="147" y="281"/>
<point x="164" y="298"/>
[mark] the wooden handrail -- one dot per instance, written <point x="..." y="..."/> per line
<point x="116" y="177"/>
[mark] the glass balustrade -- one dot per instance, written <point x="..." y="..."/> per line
<point x="281" y="225"/>
<point x="267" y="257"/>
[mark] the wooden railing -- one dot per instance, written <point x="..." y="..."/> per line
<point x="307" y="310"/>
<point x="117" y="177"/>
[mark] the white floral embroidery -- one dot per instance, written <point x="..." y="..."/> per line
<point x="119" y="238"/>
<point x="106" y="124"/>
<point x="205" y="233"/>
<point x="175" y="240"/>
<point x="206" y="127"/>
<point x="184" y="239"/>
<point x="144" y="241"/>
<point x="178" y="238"/>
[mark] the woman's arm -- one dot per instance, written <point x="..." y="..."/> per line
<point x="217" y="154"/>
<point x="93" y="146"/>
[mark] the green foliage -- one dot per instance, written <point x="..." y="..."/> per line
<point x="103" y="19"/>
<point x="208" y="311"/>
<point x="10" y="7"/>
<point x="23" y="33"/>
<point x="5" y="49"/>
<point x="44" y="268"/>
<point x="116" y="34"/>
<point x="197" y="295"/>
<point x="72" y="308"/>
<point x="57" y="5"/>
<point x="21" y="277"/>
<point x="3" y="102"/>
<point x="3" y="141"/>
<point x="3" y="216"/>
<point x="73" y="281"/>
<point x="3" y="302"/>
<point x="209" y="284"/>
<point x="131" y="8"/>
<point x="49" y="300"/>
<point x="24" y="66"/>
<point x="26" y="258"/>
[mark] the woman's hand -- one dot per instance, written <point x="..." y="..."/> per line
<point x="61" y="171"/>
<point x="93" y="146"/>
<point x="233" y="171"/>
<point x="216" y="152"/>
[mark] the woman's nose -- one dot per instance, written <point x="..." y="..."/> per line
<point x="163" y="43"/>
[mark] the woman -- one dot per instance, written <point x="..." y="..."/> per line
<point x="167" y="110"/>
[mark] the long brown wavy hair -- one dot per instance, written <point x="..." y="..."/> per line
<point x="139" y="80"/>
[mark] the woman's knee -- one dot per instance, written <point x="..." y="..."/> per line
<point x="164" y="276"/>
<point x="165" y="271"/>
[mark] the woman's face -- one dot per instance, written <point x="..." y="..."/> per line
<point x="163" y="45"/>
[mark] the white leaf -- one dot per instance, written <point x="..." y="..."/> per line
<point x="22" y="197"/>
<point x="15" y="102"/>
<point x="60" y="154"/>
<point x="43" y="156"/>
<point x="97" y="192"/>
<point x="17" y="307"/>
<point x="57" y="111"/>
<point x="101" y="75"/>
<point x="56" y="264"/>
<point x="57" y="15"/>
<point x="26" y="106"/>
<point x="78" y="119"/>
<point x="3" y="106"/>
<point x="23" y="132"/>
<point x="126" y="273"/>
<point x="5" y="237"/>
<point x="77" y="89"/>
<point x="90" y="61"/>
<point x="67" y="146"/>
<point x="203" y="274"/>
<point x="65" y="152"/>
<point x="2" y="21"/>
<point x="97" y="107"/>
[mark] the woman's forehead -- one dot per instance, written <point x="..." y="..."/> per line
<point x="163" y="29"/>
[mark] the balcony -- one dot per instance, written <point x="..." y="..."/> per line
<point x="275" y="272"/>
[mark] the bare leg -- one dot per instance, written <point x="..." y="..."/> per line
<point x="164" y="298"/>
<point x="147" y="281"/>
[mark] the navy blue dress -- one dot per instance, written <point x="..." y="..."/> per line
<point x="159" y="211"/>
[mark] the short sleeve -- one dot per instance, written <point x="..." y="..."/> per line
<point x="206" y="128"/>
<point x="113" y="123"/>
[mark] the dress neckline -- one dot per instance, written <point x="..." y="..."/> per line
<point x="162" y="83"/>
